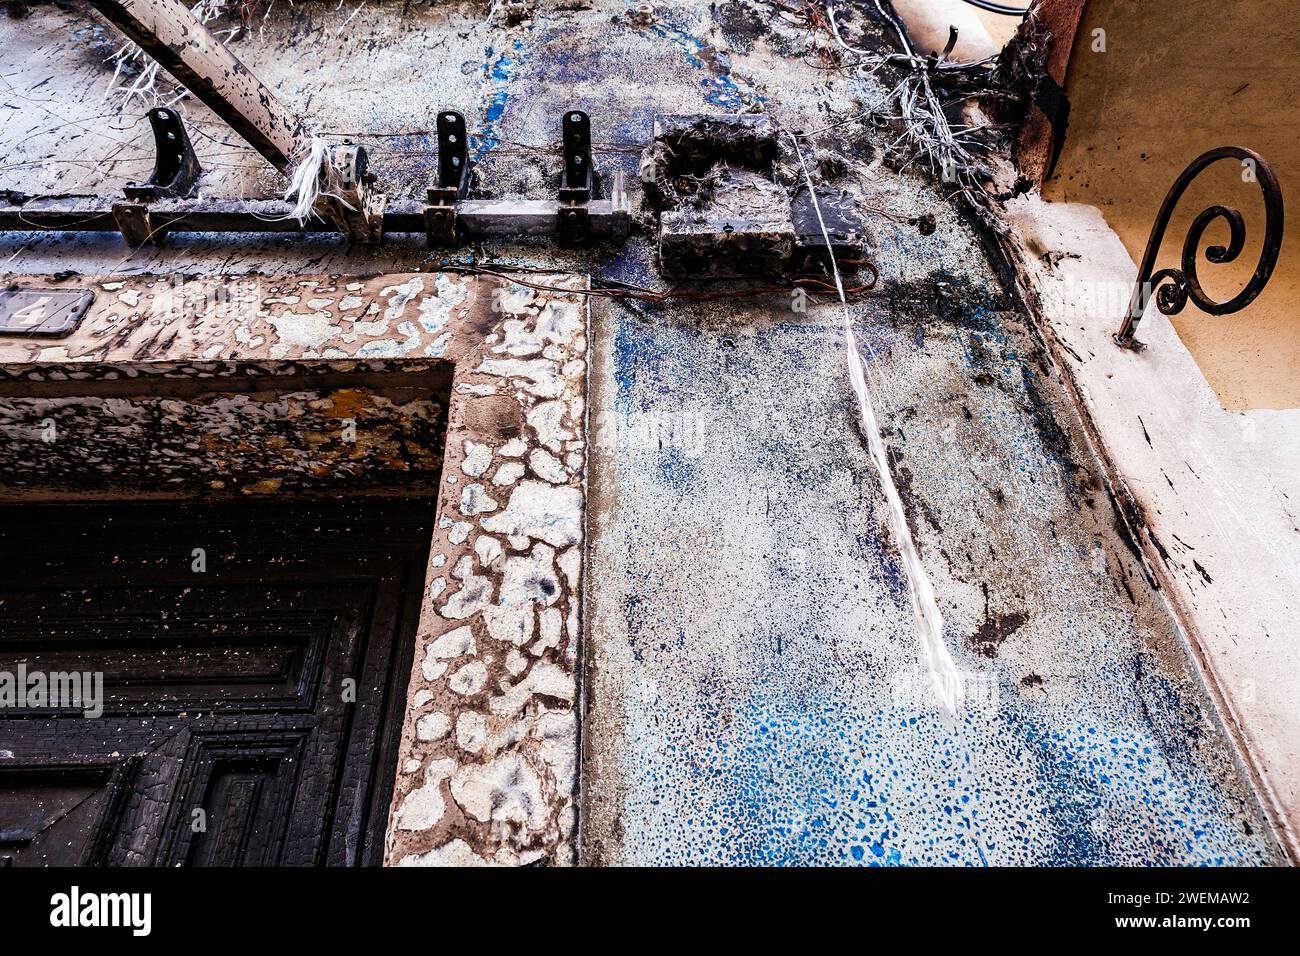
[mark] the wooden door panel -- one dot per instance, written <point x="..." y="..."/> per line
<point x="55" y="815"/>
<point x="159" y="652"/>
<point x="245" y="787"/>
<point x="227" y="738"/>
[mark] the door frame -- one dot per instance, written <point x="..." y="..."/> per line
<point x="487" y="768"/>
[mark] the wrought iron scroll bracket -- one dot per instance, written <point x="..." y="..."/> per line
<point x="1174" y="287"/>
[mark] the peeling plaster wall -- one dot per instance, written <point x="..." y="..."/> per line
<point x="487" y="766"/>
<point x="763" y="700"/>
<point x="750" y="688"/>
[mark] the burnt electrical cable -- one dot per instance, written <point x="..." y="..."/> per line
<point x="999" y="8"/>
<point x="944" y="676"/>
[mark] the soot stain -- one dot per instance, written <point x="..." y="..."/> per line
<point x="988" y="637"/>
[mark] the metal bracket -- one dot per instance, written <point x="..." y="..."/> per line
<point x="1173" y="288"/>
<point x="578" y="179"/>
<point x="575" y="213"/>
<point x="453" y="180"/>
<point x="575" y="224"/>
<point x="346" y="197"/>
<point x="135" y="224"/>
<point x="175" y="168"/>
<point x="579" y="176"/>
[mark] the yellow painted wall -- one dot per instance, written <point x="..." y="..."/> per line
<point x="1178" y="77"/>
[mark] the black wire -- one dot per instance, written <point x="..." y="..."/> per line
<point x="998" y="8"/>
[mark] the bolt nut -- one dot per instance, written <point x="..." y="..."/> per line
<point x="642" y="13"/>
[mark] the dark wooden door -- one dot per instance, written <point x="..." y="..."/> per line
<point x="254" y="661"/>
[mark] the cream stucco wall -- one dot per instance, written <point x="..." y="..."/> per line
<point x="1178" y="77"/>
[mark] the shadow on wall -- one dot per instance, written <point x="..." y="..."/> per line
<point x="1162" y="82"/>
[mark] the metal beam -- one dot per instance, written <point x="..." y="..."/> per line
<point x="476" y="218"/>
<point x="167" y="31"/>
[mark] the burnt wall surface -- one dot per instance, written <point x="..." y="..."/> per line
<point x="212" y="429"/>
<point x="752" y="685"/>
<point x="313" y="384"/>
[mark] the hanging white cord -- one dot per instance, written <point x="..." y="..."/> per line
<point x="944" y="678"/>
<point x="314" y="175"/>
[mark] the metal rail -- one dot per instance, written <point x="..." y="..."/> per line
<point x="474" y="217"/>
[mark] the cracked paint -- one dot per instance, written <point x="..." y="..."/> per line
<point x="488" y="754"/>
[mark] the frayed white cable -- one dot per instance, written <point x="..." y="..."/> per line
<point x="927" y="133"/>
<point x="314" y="176"/>
<point x="305" y="181"/>
<point x="944" y="677"/>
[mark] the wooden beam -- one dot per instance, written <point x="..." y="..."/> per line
<point x="167" y="31"/>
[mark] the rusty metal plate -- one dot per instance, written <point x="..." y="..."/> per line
<point x="42" y="311"/>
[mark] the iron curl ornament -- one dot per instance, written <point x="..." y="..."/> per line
<point x="1174" y="287"/>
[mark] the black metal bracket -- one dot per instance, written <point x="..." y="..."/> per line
<point x="135" y="224"/>
<point x="576" y="212"/>
<point x="578" y="173"/>
<point x="578" y="180"/>
<point x="1183" y="284"/>
<point x="453" y="179"/>
<point x="176" y="168"/>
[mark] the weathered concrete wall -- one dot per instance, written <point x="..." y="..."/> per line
<point x="1210" y="491"/>
<point x="756" y="691"/>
